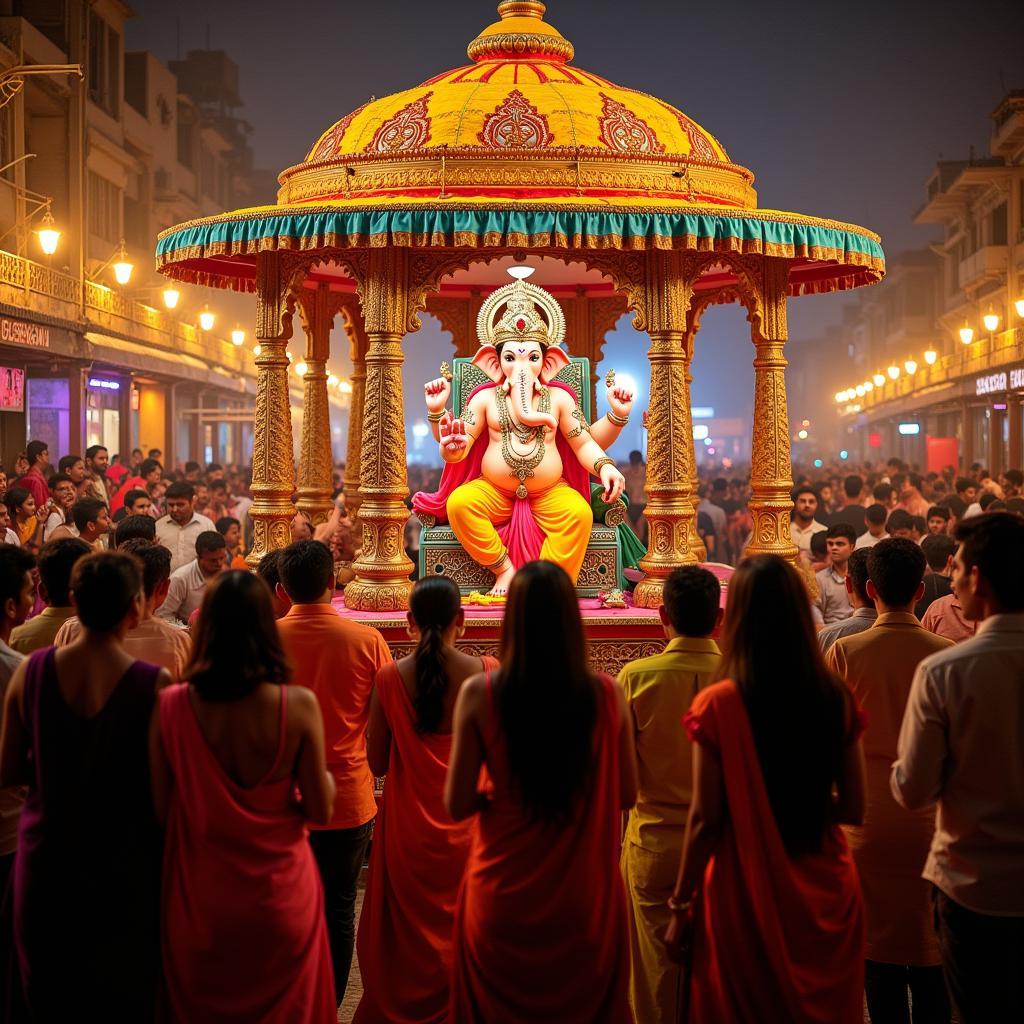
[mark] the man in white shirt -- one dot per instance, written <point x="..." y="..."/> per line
<point x="959" y="748"/>
<point x="188" y="584"/>
<point x="179" y="530"/>
<point x="804" y="525"/>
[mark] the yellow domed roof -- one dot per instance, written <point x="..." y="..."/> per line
<point x="520" y="121"/>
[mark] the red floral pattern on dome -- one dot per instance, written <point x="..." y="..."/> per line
<point x="408" y="129"/>
<point x="623" y="131"/>
<point x="329" y="145"/>
<point x="699" y="145"/>
<point x="515" y="124"/>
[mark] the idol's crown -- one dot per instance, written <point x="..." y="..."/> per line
<point x="530" y="313"/>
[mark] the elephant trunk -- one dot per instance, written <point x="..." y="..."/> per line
<point x="520" y="394"/>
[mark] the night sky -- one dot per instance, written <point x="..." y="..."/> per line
<point x="840" y="109"/>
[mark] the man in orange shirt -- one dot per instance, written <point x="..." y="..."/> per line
<point x="337" y="660"/>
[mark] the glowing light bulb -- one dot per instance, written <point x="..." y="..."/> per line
<point x="879" y="379"/>
<point x="521" y="271"/>
<point x="966" y="334"/>
<point x="1020" y="307"/>
<point x="207" y="318"/>
<point x="171" y="297"/>
<point x="930" y="356"/>
<point x="860" y="390"/>
<point x="49" y="236"/>
<point x="840" y="397"/>
<point x="123" y="271"/>
<point x="332" y="381"/>
<point x="894" y="372"/>
<point x="802" y="435"/>
<point x="991" y="321"/>
<point x="910" y="366"/>
<point x="868" y="386"/>
<point x="257" y="349"/>
<point x="301" y="368"/>
<point x="238" y="337"/>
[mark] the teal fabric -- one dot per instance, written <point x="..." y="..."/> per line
<point x="631" y="548"/>
<point x="583" y="229"/>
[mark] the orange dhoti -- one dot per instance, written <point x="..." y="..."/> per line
<point x="561" y="513"/>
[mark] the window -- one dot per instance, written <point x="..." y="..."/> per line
<point x="104" y="209"/>
<point x="104" y="65"/>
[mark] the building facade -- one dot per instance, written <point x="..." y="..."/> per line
<point x="114" y="157"/>
<point x="937" y="371"/>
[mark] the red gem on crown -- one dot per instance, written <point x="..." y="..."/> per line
<point x="520" y="324"/>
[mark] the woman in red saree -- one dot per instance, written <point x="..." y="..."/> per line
<point x="540" y="928"/>
<point x="419" y="853"/>
<point x="244" y="935"/>
<point x="767" y="905"/>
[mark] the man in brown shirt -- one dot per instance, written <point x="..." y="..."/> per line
<point x="889" y="848"/>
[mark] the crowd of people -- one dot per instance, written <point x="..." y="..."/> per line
<point x="809" y="802"/>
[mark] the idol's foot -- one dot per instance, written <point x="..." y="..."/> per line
<point x="502" y="582"/>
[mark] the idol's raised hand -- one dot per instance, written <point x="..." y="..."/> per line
<point x="620" y="400"/>
<point x="436" y="393"/>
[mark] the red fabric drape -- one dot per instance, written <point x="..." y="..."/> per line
<point x="778" y="939"/>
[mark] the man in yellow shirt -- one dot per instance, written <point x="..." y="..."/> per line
<point x="659" y="691"/>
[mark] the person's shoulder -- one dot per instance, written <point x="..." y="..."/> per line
<point x="163" y="520"/>
<point x="639" y="666"/>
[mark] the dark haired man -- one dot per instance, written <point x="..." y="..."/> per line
<point x="900" y="524"/>
<point x="1013" y="483"/>
<point x="74" y="466"/>
<point x="38" y="455"/>
<point x="833" y="600"/>
<point x="852" y="509"/>
<point x="959" y="748"/>
<point x="863" y="616"/>
<point x="939" y="550"/>
<point x="150" y="472"/>
<point x="188" y="583"/>
<point x="889" y="848"/>
<point x="136" y="503"/>
<point x="17" y="595"/>
<point x="804" y="524"/>
<point x="911" y="498"/>
<point x="181" y="527"/>
<point x="938" y="520"/>
<point x="153" y="639"/>
<point x="56" y="560"/>
<point x="97" y="462"/>
<point x="885" y="495"/>
<point x="231" y="530"/>
<point x="135" y="528"/>
<point x="62" y="498"/>
<point x="192" y="472"/>
<point x="874" y="519"/>
<point x="966" y="490"/>
<point x="269" y="570"/>
<point x="659" y="691"/>
<point x="90" y="521"/>
<point x="337" y="659"/>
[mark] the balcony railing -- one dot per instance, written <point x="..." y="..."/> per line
<point x="989" y="262"/>
<point x="41" y="289"/>
<point x="980" y="357"/>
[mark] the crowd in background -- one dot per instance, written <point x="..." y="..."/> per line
<point x="805" y="804"/>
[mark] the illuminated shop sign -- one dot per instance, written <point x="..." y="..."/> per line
<point x="104" y="384"/>
<point x="909" y="428"/>
<point x="1004" y="380"/>
<point x="20" y="332"/>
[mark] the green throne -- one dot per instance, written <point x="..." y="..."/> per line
<point x="612" y="547"/>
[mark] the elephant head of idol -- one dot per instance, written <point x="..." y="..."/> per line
<point x="520" y="352"/>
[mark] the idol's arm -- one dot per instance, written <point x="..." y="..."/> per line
<point x="607" y="429"/>
<point x="589" y="453"/>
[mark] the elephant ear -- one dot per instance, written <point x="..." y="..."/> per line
<point x="555" y="360"/>
<point x="486" y="359"/>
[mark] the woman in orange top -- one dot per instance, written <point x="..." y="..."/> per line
<point x="541" y="932"/>
<point x="766" y="880"/>
<point x="419" y="853"/>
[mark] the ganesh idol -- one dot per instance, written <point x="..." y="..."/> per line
<point x="519" y="458"/>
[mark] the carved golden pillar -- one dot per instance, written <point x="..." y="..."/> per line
<point x="664" y="302"/>
<point x="382" y="570"/>
<point x="273" y="467"/>
<point x="313" y="495"/>
<point x="357" y="349"/>
<point x="771" y="472"/>
<point x="694" y="542"/>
